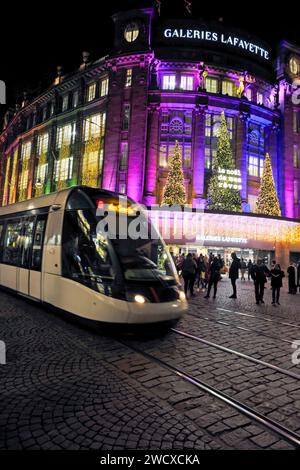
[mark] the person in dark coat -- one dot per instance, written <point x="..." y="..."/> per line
<point x="259" y="275"/>
<point x="234" y="273"/>
<point x="298" y="275"/>
<point x="249" y="268"/>
<point x="276" y="282"/>
<point x="292" y="275"/>
<point x="214" y="276"/>
<point x="189" y="268"/>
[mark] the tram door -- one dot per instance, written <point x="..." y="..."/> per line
<point x="31" y="246"/>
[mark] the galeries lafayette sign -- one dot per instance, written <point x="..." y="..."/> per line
<point x="220" y="38"/>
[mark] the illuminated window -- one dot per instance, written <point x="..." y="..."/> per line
<point x="255" y="166"/>
<point x="104" y="87"/>
<point x="296" y="156"/>
<point x="75" y="99"/>
<point x="41" y="173"/>
<point x="91" y="91"/>
<point x="259" y="98"/>
<point x="211" y="85"/>
<point x="126" y="117"/>
<point x="26" y="151"/>
<point x="94" y="126"/>
<point x="252" y="200"/>
<point x="131" y="32"/>
<point x="296" y="191"/>
<point x="176" y="126"/>
<point x="212" y="132"/>
<point x="187" y="82"/>
<point x="296" y="121"/>
<point x="42" y="146"/>
<point x="248" y="94"/>
<point x="65" y="103"/>
<point x="65" y="135"/>
<point x="63" y="169"/>
<point x="128" y="82"/>
<point x="163" y="151"/>
<point x="187" y="156"/>
<point x="124" y="156"/>
<point x="227" y="88"/>
<point x="169" y="82"/>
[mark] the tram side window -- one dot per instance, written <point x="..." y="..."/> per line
<point x="26" y="242"/>
<point x="85" y="253"/>
<point x="1" y="230"/>
<point x="37" y="249"/>
<point x="11" y="248"/>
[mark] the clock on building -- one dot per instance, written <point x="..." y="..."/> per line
<point x="131" y="32"/>
<point x="294" y="65"/>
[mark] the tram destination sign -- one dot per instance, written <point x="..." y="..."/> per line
<point x="210" y="36"/>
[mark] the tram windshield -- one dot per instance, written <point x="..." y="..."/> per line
<point x="103" y="262"/>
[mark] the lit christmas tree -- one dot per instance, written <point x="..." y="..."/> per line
<point x="225" y="183"/>
<point x="174" y="192"/>
<point x="267" y="202"/>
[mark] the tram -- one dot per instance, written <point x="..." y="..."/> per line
<point x="56" y="250"/>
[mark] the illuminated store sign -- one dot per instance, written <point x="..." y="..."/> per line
<point x="230" y="179"/>
<point x="213" y="36"/>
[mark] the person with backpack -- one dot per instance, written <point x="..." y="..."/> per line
<point x="276" y="282"/>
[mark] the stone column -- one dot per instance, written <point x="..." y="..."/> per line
<point x="272" y="149"/>
<point x="199" y="156"/>
<point x="152" y="155"/>
<point x="52" y="157"/>
<point x="241" y="154"/>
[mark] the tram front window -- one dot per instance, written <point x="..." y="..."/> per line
<point x="144" y="260"/>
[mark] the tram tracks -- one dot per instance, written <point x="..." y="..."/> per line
<point x="268" y="423"/>
<point x="233" y="325"/>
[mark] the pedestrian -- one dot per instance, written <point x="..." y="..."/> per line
<point x="249" y="267"/>
<point x="234" y="273"/>
<point x="259" y="275"/>
<point x="214" y="277"/>
<point x="276" y="282"/>
<point x="298" y="275"/>
<point x="201" y="272"/>
<point x="292" y="276"/>
<point x="243" y="269"/>
<point x="189" y="268"/>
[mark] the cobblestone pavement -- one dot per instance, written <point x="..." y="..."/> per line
<point x="66" y="386"/>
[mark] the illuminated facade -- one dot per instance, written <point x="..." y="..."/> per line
<point x="114" y="122"/>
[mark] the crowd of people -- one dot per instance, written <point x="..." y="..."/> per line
<point x="205" y="272"/>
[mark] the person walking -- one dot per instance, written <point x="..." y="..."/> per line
<point x="243" y="269"/>
<point x="276" y="282"/>
<point x="234" y="273"/>
<point x="189" y="268"/>
<point x="259" y="275"/>
<point x="249" y="267"/>
<point x="292" y="276"/>
<point x="214" y="277"/>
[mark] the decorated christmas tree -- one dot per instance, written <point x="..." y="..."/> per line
<point x="267" y="202"/>
<point x="174" y="192"/>
<point x="225" y="182"/>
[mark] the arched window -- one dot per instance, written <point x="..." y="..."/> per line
<point x="176" y="126"/>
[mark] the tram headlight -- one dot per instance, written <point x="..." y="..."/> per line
<point x="139" y="299"/>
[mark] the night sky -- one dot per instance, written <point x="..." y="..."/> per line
<point x="36" y="38"/>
